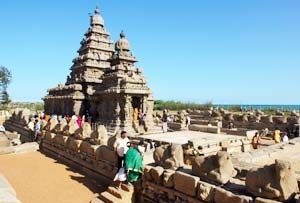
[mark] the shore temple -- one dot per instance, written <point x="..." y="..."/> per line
<point x="104" y="82"/>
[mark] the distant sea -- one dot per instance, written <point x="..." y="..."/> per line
<point x="260" y="106"/>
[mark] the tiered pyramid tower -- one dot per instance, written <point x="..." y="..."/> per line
<point x="103" y="83"/>
<point x="96" y="48"/>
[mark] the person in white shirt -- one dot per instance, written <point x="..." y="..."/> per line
<point x="285" y="138"/>
<point x="121" y="147"/>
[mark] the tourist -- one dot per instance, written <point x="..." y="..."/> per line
<point x="285" y="138"/>
<point x="37" y="129"/>
<point x="31" y="124"/>
<point x="79" y="121"/>
<point x="135" y="116"/>
<point x="121" y="147"/>
<point x="165" y="121"/>
<point x="187" y="121"/>
<point x="277" y="136"/>
<point x="133" y="164"/>
<point x="120" y="177"/>
<point x="255" y="141"/>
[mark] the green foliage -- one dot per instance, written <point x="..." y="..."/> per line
<point x="234" y="108"/>
<point x="177" y="105"/>
<point x="33" y="106"/>
<point x="5" y="79"/>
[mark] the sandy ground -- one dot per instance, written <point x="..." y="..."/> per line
<point x="40" y="179"/>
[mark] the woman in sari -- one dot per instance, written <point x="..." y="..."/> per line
<point x="133" y="164"/>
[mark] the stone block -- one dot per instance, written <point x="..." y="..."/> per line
<point x="205" y="192"/>
<point x="157" y="174"/>
<point x="224" y="196"/>
<point x="262" y="200"/>
<point x="186" y="183"/>
<point x="168" y="178"/>
<point x="106" y="154"/>
<point x="6" y="197"/>
<point x="6" y="186"/>
<point x="26" y="147"/>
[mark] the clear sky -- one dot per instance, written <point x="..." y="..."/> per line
<point x="234" y="51"/>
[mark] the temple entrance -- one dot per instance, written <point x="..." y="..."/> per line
<point x="136" y="103"/>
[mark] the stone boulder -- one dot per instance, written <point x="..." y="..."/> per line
<point x="216" y="168"/>
<point x="276" y="181"/>
<point x="169" y="156"/>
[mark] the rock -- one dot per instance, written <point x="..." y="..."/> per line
<point x="216" y="168"/>
<point x="156" y="174"/>
<point x="169" y="156"/>
<point x="146" y="173"/>
<point x="73" y="144"/>
<point x="276" y="181"/>
<point x="186" y="183"/>
<point x="206" y="191"/>
<point x="262" y="200"/>
<point x="6" y="186"/>
<point x="6" y="197"/>
<point x="223" y="196"/>
<point x="168" y="178"/>
<point x="4" y="141"/>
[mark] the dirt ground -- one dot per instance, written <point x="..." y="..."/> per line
<point x="40" y="179"/>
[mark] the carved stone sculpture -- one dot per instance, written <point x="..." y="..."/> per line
<point x="217" y="168"/>
<point x="169" y="156"/>
<point x="276" y="181"/>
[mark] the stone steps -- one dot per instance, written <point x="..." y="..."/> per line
<point x="114" y="195"/>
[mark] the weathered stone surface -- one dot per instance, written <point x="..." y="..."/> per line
<point x="84" y="131"/>
<point x="168" y="178"/>
<point x="206" y="191"/>
<point x="26" y="147"/>
<point x="6" y="186"/>
<point x="169" y="156"/>
<point x="104" y="153"/>
<point x="4" y="142"/>
<point x="6" y="197"/>
<point x="73" y="144"/>
<point x="156" y="174"/>
<point x="262" y="200"/>
<point x="186" y="183"/>
<point x="276" y="181"/>
<point x="100" y="136"/>
<point x="223" y="196"/>
<point x="217" y="168"/>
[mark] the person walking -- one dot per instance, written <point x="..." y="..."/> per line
<point x="121" y="148"/>
<point x="165" y="121"/>
<point x="133" y="164"/>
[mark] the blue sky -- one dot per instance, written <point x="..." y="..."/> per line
<point x="235" y="51"/>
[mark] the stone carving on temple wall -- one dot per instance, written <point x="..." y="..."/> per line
<point x="276" y="181"/>
<point x="216" y="168"/>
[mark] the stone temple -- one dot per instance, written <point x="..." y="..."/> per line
<point x="104" y="83"/>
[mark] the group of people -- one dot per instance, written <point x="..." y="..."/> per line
<point x="130" y="159"/>
<point x="278" y="137"/>
<point x="40" y="120"/>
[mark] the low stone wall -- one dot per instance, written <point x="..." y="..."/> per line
<point x="159" y="185"/>
<point x="97" y="161"/>
<point x="27" y="135"/>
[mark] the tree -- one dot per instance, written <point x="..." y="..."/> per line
<point x="5" y="79"/>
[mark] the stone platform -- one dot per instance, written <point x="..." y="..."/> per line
<point x="183" y="137"/>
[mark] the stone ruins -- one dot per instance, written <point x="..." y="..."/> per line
<point x="210" y="160"/>
<point x="104" y="83"/>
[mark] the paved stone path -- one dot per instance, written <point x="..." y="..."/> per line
<point x="37" y="178"/>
